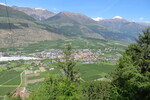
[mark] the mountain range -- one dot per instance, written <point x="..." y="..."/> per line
<point x="30" y="25"/>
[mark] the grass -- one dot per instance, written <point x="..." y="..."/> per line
<point x="1" y="98"/>
<point x="34" y="86"/>
<point x="77" y="43"/>
<point x="10" y="78"/>
<point x="88" y="72"/>
<point x="94" y="71"/>
<point x="6" y="90"/>
<point x="34" y="77"/>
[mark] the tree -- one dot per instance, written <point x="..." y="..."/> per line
<point x="140" y="52"/>
<point x="67" y="64"/>
<point x="61" y="88"/>
<point x="132" y="76"/>
<point x="96" y="90"/>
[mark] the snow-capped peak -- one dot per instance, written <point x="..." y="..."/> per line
<point x="39" y="9"/>
<point x="147" y="22"/>
<point x="98" y="18"/>
<point x="117" y="17"/>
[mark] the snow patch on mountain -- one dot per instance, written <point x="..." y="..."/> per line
<point x="98" y="18"/>
<point x="117" y="17"/>
<point x="39" y="9"/>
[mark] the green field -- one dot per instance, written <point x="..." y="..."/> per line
<point x="1" y="98"/>
<point x="94" y="71"/>
<point x="9" y="80"/>
<point x="77" y="43"/>
<point x="88" y="71"/>
<point x="6" y="90"/>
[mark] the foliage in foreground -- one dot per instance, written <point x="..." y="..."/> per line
<point x="131" y="80"/>
<point x="68" y="64"/>
<point x="96" y="90"/>
<point x="132" y="77"/>
<point x="69" y="86"/>
<point x="61" y="88"/>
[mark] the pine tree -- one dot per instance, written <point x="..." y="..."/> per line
<point x="132" y="76"/>
<point x="67" y="64"/>
<point x="140" y="52"/>
<point x="60" y="88"/>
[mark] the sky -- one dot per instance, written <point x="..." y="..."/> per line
<point x="134" y="10"/>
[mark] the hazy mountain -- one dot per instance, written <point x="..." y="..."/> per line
<point x="37" y="13"/>
<point x="76" y="24"/>
<point x="76" y="17"/>
<point x="73" y="24"/>
<point x="124" y="27"/>
<point x="26" y="30"/>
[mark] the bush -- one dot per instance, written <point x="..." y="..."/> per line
<point x="61" y="88"/>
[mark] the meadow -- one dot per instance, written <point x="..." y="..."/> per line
<point x="9" y="80"/>
<point x="77" y="43"/>
<point x="95" y="71"/>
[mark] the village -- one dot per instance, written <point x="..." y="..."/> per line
<point x="41" y="63"/>
<point x="83" y="55"/>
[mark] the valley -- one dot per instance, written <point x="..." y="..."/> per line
<point x="95" y="58"/>
<point x="33" y="43"/>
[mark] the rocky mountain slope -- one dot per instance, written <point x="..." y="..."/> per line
<point x="29" y="25"/>
<point x="76" y="24"/>
<point x="22" y="29"/>
<point x="37" y="13"/>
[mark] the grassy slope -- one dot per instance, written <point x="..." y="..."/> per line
<point x="77" y="43"/>
<point x="14" y="13"/>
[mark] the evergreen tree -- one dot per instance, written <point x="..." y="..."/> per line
<point x="96" y="90"/>
<point x="61" y="88"/>
<point x="67" y="64"/>
<point x="140" y="52"/>
<point x="132" y="76"/>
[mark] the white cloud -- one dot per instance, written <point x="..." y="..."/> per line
<point x="117" y="17"/>
<point x="3" y="4"/>
<point x="98" y="18"/>
<point x="141" y="18"/>
<point x="55" y="9"/>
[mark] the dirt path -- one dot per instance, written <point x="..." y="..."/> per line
<point x="35" y="80"/>
<point x="33" y="75"/>
<point x="1" y="96"/>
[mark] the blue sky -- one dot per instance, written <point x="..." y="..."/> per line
<point x="135" y="10"/>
